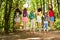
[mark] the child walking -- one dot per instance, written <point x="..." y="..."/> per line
<point x="17" y="18"/>
<point x="39" y="19"/>
<point x="32" y="21"/>
<point x="25" y="18"/>
<point x="45" y="22"/>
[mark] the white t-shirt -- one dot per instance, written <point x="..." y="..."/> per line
<point x="39" y="19"/>
<point x="17" y="19"/>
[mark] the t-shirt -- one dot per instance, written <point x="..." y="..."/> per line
<point x="17" y="19"/>
<point x="24" y="14"/>
<point x="46" y="18"/>
<point x="31" y="16"/>
<point x="51" y="13"/>
<point x="39" y="13"/>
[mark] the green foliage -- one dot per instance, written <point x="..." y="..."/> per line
<point x="57" y="24"/>
<point x="19" y="3"/>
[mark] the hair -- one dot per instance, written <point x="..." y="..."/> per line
<point x="50" y="8"/>
<point x="39" y="9"/>
<point x="25" y="9"/>
<point x="24" y="12"/>
<point x="17" y="10"/>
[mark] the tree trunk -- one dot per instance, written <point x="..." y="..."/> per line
<point x="7" y="14"/>
<point x="0" y="3"/>
<point x="51" y="2"/>
<point x="43" y="6"/>
<point x="58" y="1"/>
<point x="41" y="3"/>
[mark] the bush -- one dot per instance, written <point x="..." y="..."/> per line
<point x="57" y="25"/>
<point x="1" y="28"/>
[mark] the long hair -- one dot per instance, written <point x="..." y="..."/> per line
<point x="25" y="10"/>
<point x="50" y="7"/>
<point x="17" y="10"/>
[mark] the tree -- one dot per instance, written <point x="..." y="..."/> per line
<point x="7" y="14"/>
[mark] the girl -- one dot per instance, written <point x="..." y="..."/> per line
<point x="32" y="21"/>
<point x="51" y="16"/>
<point x="25" y="18"/>
<point x="17" y="17"/>
<point x="39" y="19"/>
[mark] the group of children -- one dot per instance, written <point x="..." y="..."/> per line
<point x="34" y="17"/>
<point x="38" y="17"/>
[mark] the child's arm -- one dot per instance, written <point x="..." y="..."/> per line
<point x="48" y="16"/>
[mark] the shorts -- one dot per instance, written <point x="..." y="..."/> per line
<point x="32" y="23"/>
<point x="17" y="19"/>
<point x="25" y="19"/>
<point x="39" y="19"/>
<point x="51" y="18"/>
<point x="45" y="25"/>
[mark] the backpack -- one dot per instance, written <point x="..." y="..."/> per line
<point x="24" y="14"/>
<point x="31" y="16"/>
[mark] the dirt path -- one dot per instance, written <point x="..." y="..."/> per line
<point x="27" y="35"/>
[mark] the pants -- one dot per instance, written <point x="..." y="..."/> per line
<point x="45" y="25"/>
<point x="32" y="23"/>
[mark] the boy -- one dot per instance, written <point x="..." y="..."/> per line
<point x="32" y="21"/>
<point x="45" y="22"/>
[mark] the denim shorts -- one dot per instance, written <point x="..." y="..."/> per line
<point x="51" y="18"/>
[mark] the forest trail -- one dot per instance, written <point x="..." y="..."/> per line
<point x="24" y="35"/>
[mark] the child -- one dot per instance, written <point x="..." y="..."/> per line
<point x="25" y="18"/>
<point x="45" y="22"/>
<point x="39" y="19"/>
<point x="17" y="17"/>
<point x="51" y="16"/>
<point x="32" y="21"/>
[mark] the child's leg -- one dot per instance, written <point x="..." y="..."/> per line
<point x="44" y="27"/>
<point x="24" y="25"/>
<point x="40" y="27"/>
<point x="25" y="20"/>
<point x="51" y="24"/>
<point x="33" y="25"/>
<point x="18" y="24"/>
<point x="47" y="26"/>
<point x="30" y="25"/>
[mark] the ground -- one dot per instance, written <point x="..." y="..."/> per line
<point x="26" y="35"/>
